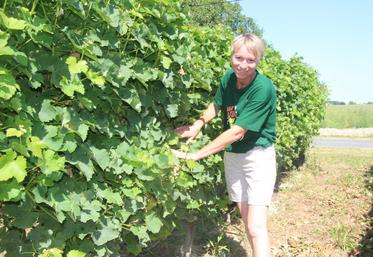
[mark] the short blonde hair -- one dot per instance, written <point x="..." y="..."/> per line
<point x="252" y="42"/>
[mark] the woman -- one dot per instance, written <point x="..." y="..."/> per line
<point x="248" y="102"/>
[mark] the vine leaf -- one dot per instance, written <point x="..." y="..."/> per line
<point x="51" y="162"/>
<point x="12" y="166"/>
<point x="47" y="112"/>
<point x="10" y="191"/>
<point x="106" y="231"/>
<point x="75" y="253"/>
<point x="8" y="85"/>
<point x="172" y="110"/>
<point x="153" y="223"/>
<point x="75" y="66"/>
<point x="69" y="87"/>
<point x="11" y="23"/>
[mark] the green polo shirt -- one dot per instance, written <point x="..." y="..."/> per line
<point x="252" y="108"/>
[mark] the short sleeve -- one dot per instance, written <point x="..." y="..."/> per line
<point x="225" y="80"/>
<point x="257" y="109"/>
<point x="218" y="99"/>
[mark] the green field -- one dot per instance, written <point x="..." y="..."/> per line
<point x="349" y="116"/>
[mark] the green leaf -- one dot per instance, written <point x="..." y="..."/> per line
<point x="106" y="231"/>
<point x="153" y="223"/>
<point x="141" y="233"/>
<point x="87" y="169"/>
<point x="54" y="138"/>
<point x="11" y="23"/>
<point x="171" y="110"/>
<point x="111" y="197"/>
<point x="95" y="77"/>
<point x="10" y="190"/>
<point x="193" y="204"/>
<point x="12" y="132"/>
<point x="75" y="253"/>
<point x="22" y="214"/>
<point x="75" y="123"/>
<point x="83" y="131"/>
<point x="70" y="143"/>
<point x="81" y="158"/>
<point x="8" y="85"/>
<point x="54" y="252"/>
<point x="124" y="73"/>
<point x="132" y="193"/>
<point x="179" y="59"/>
<point x="133" y="245"/>
<point x="130" y="96"/>
<point x="21" y="58"/>
<point x="184" y="180"/>
<point x="6" y="50"/>
<point x="91" y="211"/>
<point x="169" y="207"/>
<point x="20" y="148"/>
<point x="144" y="174"/>
<point x="128" y="169"/>
<point x="51" y="162"/>
<point x="166" y="62"/>
<point x="47" y="112"/>
<point x="162" y="161"/>
<point x="123" y="215"/>
<point x="69" y="87"/>
<point x="75" y="66"/>
<point x="101" y="156"/>
<point x="35" y="145"/>
<point x="12" y="166"/>
<point x="3" y="38"/>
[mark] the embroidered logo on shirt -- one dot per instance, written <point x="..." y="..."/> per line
<point x="232" y="115"/>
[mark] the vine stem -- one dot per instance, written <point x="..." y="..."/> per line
<point x="187" y="151"/>
<point x="34" y="4"/>
<point x="41" y="207"/>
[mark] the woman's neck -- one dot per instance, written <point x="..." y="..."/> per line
<point x="245" y="82"/>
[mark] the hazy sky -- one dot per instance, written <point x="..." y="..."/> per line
<point x="334" y="36"/>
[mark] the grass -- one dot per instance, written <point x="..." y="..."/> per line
<point x="349" y="116"/>
<point x="342" y="236"/>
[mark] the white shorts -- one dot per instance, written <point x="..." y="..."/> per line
<point x="251" y="176"/>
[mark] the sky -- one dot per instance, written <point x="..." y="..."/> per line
<point x="335" y="37"/>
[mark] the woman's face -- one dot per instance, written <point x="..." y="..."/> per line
<point x="243" y="63"/>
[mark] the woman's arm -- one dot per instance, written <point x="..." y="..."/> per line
<point x="218" y="144"/>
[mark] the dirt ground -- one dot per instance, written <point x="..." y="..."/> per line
<point x="321" y="209"/>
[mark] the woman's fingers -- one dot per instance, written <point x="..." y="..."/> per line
<point x="189" y="140"/>
<point x="182" y="131"/>
<point x="179" y="154"/>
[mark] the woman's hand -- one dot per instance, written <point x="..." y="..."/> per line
<point x="190" y="131"/>
<point x="185" y="155"/>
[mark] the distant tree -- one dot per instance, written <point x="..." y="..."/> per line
<point x="351" y="102"/>
<point x="369" y="102"/>
<point x="336" y="102"/>
<point x="214" y="12"/>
